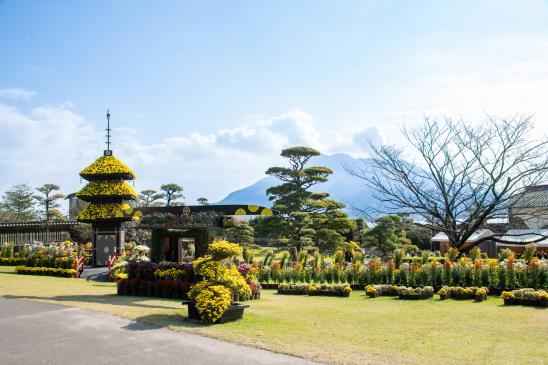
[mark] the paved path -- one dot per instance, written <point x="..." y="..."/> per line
<point x="95" y="273"/>
<point x="44" y="333"/>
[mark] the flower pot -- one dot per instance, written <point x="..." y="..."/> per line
<point x="232" y="313"/>
<point x="481" y="298"/>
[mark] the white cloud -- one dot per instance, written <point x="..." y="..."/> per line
<point x="500" y="76"/>
<point x="16" y="93"/>
<point x="53" y="143"/>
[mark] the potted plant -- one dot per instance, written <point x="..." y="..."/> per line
<point x="210" y="300"/>
<point x="508" y="297"/>
<point x="444" y="293"/>
<point x="371" y="291"/>
<point x="481" y="294"/>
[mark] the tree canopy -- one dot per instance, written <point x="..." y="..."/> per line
<point x="19" y="202"/>
<point x="309" y="217"/>
<point x="171" y="192"/>
<point x="48" y="200"/>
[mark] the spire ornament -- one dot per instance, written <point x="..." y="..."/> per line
<point x="108" y="151"/>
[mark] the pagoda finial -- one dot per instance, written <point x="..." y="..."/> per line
<point x="108" y="152"/>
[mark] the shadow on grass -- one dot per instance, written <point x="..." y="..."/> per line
<point x="154" y="321"/>
<point x="111" y="299"/>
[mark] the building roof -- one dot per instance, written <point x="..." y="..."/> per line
<point x="533" y="197"/>
<point x="524" y="236"/>
<point x="480" y="233"/>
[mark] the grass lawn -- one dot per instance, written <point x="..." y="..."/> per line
<point x="355" y="330"/>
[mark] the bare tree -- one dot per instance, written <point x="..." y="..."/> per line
<point x="465" y="174"/>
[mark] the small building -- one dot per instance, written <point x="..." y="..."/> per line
<point x="441" y="242"/>
<point x="529" y="209"/>
<point x="28" y="232"/>
<point x="516" y="239"/>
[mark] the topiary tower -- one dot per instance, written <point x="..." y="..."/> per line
<point x="107" y="193"/>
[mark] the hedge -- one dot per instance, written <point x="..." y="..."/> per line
<point x="12" y="261"/>
<point x="48" y="271"/>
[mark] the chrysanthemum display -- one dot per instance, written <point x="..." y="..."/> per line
<point x="106" y="191"/>
<point x="107" y="166"/>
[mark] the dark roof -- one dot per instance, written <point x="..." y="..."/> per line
<point x="25" y="226"/>
<point x="533" y="197"/>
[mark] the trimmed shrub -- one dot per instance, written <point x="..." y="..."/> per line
<point x="47" y="271"/>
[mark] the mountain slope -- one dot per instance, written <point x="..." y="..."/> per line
<point x="341" y="185"/>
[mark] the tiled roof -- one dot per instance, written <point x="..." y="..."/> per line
<point x="532" y="197"/>
<point x="480" y="233"/>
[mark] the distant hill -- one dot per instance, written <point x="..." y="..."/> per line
<point x="341" y="185"/>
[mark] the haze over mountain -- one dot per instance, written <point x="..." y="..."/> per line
<point x="342" y="186"/>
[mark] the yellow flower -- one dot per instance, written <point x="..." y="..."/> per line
<point x="109" y="188"/>
<point x="107" y="165"/>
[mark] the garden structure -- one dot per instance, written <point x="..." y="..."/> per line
<point x="20" y="233"/>
<point x="107" y="193"/>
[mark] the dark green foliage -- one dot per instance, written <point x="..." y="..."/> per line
<point x="268" y="227"/>
<point x="19" y="201"/>
<point x="48" y="200"/>
<point x="419" y="236"/>
<point x="387" y="234"/>
<point x="170" y="193"/>
<point x="202" y="239"/>
<point x="149" y="197"/>
<point x="240" y="232"/>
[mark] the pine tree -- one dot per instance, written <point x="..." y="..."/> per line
<point x="171" y="192"/>
<point x="309" y="216"/>
<point x="19" y="202"/>
<point x="49" y="200"/>
<point x="240" y="232"/>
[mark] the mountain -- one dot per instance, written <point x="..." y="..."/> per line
<point x="341" y="185"/>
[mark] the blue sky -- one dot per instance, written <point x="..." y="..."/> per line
<point x="206" y="94"/>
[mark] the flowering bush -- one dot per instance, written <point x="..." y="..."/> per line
<point x="49" y="271"/>
<point x="221" y="281"/>
<point x="506" y="274"/>
<point x="526" y="296"/>
<point x="415" y="293"/>
<point x="223" y="249"/>
<point x="315" y="289"/>
<point x="211" y="300"/>
<point x="382" y="289"/>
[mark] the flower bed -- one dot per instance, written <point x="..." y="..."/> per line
<point x="415" y="293"/>
<point x="508" y="273"/>
<point x="48" y="271"/>
<point x="336" y="290"/>
<point x="374" y="291"/>
<point x="457" y="292"/>
<point x="526" y="296"/>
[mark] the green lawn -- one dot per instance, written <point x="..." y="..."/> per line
<point x="355" y="330"/>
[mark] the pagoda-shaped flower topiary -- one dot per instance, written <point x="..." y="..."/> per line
<point x="107" y="190"/>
